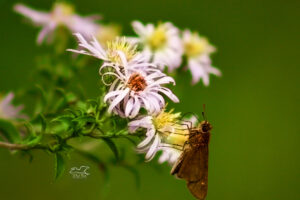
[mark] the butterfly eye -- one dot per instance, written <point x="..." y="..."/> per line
<point x="204" y="128"/>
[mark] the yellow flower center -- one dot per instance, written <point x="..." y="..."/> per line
<point x="165" y="119"/>
<point x="196" y="46"/>
<point x="158" y="39"/>
<point x="61" y="11"/>
<point x="120" y="44"/>
<point x="107" y="34"/>
<point x="168" y="125"/>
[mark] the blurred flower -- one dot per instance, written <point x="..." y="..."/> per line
<point x="197" y="49"/>
<point x="162" y="42"/>
<point x="107" y="34"/>
<point x="116" y="53"/>
<point x="135" y="89"/>
<point x="8" y="110"/>
<point x="164" y="132"/>
<point x="62" y="14"/>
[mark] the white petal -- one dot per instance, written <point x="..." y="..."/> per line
<point x="147" y="140"/>
<point x="151" y="153"/>
<point x="117" y="100"/>
<point x="112" y="94"/>
<point x="129" y="107"/>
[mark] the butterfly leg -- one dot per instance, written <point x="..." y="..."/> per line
<point x="174" y="146"/>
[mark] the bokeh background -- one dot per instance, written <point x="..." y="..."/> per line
<point x="254" y="107"/>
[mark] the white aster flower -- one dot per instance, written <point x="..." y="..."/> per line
<point x="162" y="42"/>
<point x="197" y="49"/>
<point x="8" y="110"/>
<point x="62" y="14"/>
<point x="164" y="132"/>
<point x="135" y="89"/>
<point x="114" y="52"/>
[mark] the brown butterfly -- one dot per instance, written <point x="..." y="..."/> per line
<point x="192" y="165"/>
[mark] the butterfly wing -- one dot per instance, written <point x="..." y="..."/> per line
<point x="192" y="166"/>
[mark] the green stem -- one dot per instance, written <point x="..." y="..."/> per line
<point x="21" y="146"/>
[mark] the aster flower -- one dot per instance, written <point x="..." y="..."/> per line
<point x="162" y="42"/>
<point x="114" y="54"/>
<point x="164" y="132"/>
<point x="197" y="50"/>
<point x="62" y="14"/>
<point x="135" y="89"/>
<point x="8" y="110"/>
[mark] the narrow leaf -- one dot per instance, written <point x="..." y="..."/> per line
<point x="112" y="146"/>
<point x="59" y="165"/>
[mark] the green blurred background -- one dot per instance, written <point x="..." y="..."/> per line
<point x="254" y="151"/>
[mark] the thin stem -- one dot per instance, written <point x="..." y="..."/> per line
<point x="20" y="146"/>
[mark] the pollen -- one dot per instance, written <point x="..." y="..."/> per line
<point x="137" y="82"/>
<point x="120" y="44"/>
<point x="158" y="39"/>
<point x="196" y="46"/>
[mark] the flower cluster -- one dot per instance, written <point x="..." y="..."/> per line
<point x="136" y="70"/>
<point x="135" y="84"/>
<point x="164" y="45"/>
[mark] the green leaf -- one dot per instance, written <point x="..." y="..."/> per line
<point x="43" y="122"/>
<point x="59" y="166"/>
<point x="112" y="146"/>
<point x="9" y="131"/>
<point x="40" y="120"/>
<point x="33" y="140"/>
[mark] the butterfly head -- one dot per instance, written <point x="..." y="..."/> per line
<point x="205" y="126"/>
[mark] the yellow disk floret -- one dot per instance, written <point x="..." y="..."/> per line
<point x="158" y="38"/>
<point x="196" y="46"/>
<point x="61" y="11"/>
<point x="168" y="125"/>
<point x="122" y="45"/>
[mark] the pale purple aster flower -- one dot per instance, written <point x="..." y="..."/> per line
<point x="163" y="131"/>
<point x="114" y="52"/>
<point x="62" y="14"/>
<point x="8" y="110"/>
<point x="198" y="50"/>
<point x="162" y="42"/>
<point x="135" y="89"/>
